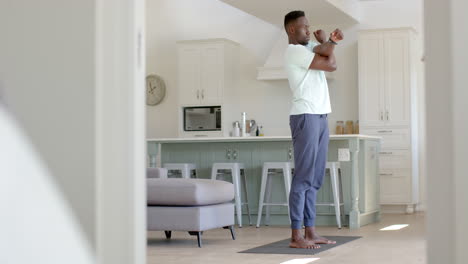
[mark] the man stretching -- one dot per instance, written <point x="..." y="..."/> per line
<point x="305" y="63"/>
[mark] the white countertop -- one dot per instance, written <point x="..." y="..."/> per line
<point x="248" y="139"/>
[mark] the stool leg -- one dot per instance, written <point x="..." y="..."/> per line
<point x="262" y="195"/>
<point x="268" y="198"/>
<point x="237" y="195"/>
<point x="185" y="173"/>
<point x="244" y="181"/>
<point x="287" y="186"/>
<point x="169" y="173"/>
<point x="335" y="190"/>
<point x="180" y="173"/>
<point x="214" y="172"/>
<point x="340" y="184"/>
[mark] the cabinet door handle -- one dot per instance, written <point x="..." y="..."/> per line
<point x="198" y="94"/>
<point x="386" y="153"/>
<point x="388" y="115"/>
<point x="386" y="174"/>
<point x="384" y="131"/>
<point x="381" y="115"/>
<point x="203" y="94"/>
<point x="228" y="153"/>
<point x="234" y="154"/>
<point x="290" y="154"/>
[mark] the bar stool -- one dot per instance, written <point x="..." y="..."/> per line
<point x="333" y="167"/>
<point x="265" y="189"/>
<point x="185" y="169"/>
<point x="337" y="190"/>
<point x="236" y="170"/>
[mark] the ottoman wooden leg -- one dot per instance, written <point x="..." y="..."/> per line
<point x="168" y="234"/>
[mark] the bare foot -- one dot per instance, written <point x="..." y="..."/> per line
<point x="298" y="241"/>
<point x="302" y="243"/>
<point x="312" y="236"/>
<point x="320" y="240"/>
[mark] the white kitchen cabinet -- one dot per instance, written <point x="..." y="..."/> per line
<point x="387" y="103"/>
<point x="208" y="73"/>
<point x="397" y="77"/>
<point x="205" y="70"/>
<point x="392" y="138"/>
<point x="189" y="75"/>
<point x="385" y="77"/>
<point x="371" y="79"/>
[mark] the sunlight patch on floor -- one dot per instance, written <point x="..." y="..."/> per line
<point x="394" y="227"/>
<point x="300" y="261"/>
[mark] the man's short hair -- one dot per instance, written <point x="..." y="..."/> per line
<point x="292" y="16"/>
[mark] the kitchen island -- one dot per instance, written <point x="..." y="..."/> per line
<point x="359" y="174"/>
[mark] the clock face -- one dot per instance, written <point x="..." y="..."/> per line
<point x="155" y="89"/>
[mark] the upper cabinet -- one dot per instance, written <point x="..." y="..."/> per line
<point x="386" y="77"/>
<point x="206" y="68"/>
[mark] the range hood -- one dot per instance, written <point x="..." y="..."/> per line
<point x="273" y="68"/>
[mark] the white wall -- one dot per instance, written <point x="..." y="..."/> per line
<point x="47" y="73"/>
<point x="446" y="40"/>
<point x="458" y="20"/>
<point x="37" y="224"/>
<point x="392" y="13"/>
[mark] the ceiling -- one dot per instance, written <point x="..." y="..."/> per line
<point x="319" y="12"/>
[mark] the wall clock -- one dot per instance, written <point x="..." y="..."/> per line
<point x="155" y="89"/>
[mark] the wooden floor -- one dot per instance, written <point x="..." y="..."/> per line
<point x="402" y="246"/>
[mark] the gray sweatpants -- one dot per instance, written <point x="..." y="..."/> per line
<point x="310" y="137"/>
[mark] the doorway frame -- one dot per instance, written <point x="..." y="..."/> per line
<point x="120" y="132"/>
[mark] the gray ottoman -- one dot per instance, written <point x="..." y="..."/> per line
<point x="192" y="205"/>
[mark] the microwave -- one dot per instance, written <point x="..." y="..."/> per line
<point x="202" y="118"/>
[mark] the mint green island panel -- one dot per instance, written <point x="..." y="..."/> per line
<point x="359" y="175"/>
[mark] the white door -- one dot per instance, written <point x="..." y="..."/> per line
<point x="189" y="75"/>
<point x="211" y="74"/>
<point x="397" y="82"/>
<point x="371" y="81"/>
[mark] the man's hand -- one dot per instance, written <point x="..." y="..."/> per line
<point x="336" y="35"/>
<point x="320" y="36"/>
<point x="326" y="48"/>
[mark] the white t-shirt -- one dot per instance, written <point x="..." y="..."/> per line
<point x="309" y="87"/>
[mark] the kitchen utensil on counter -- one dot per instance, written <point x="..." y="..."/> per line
<point x="253" y="128"/>
<point x="349" y="128"/>
<point x="236" y="129"/>
<point x="260" y="131"/>
<point x="243" y="124"/>
<point x="247" y="126"/>
<point x="339" y="127"/>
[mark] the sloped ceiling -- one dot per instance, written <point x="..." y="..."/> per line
<point x="319" y="12"/>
